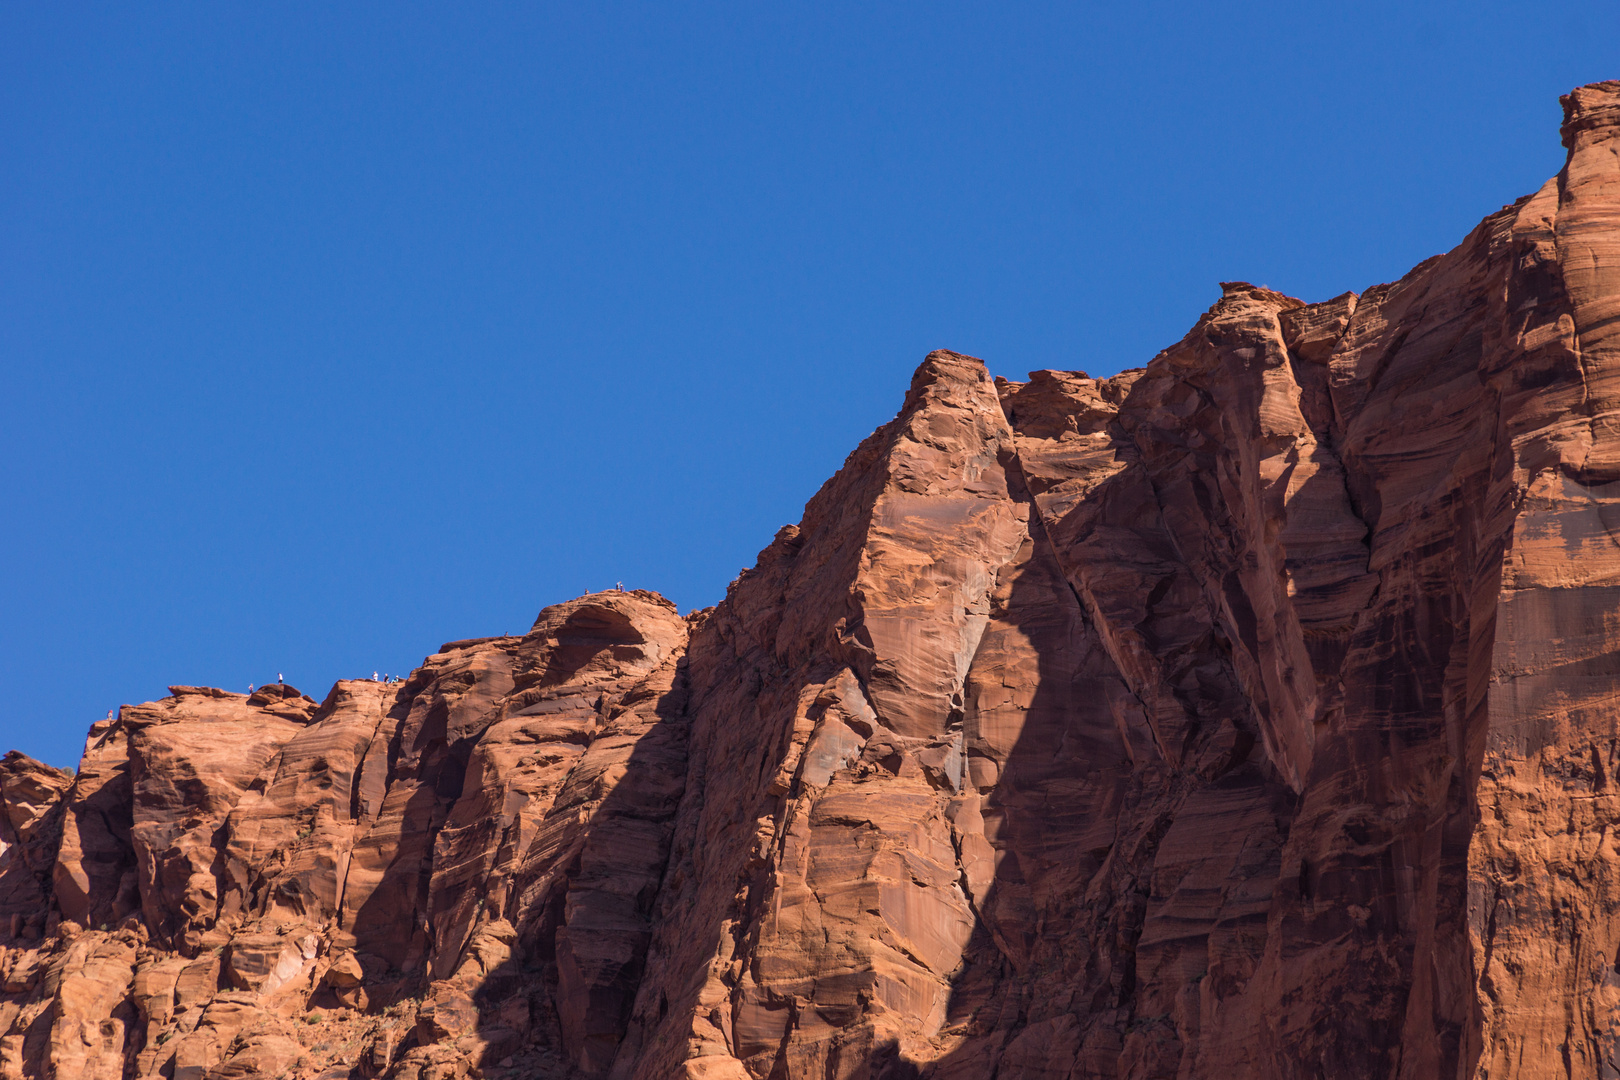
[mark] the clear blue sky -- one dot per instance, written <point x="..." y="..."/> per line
<point x="332" y="332"/>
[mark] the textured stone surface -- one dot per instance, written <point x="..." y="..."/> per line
<point x="1251" y="714"/>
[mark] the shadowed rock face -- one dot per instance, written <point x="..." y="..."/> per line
<point x="1249" y="715"/>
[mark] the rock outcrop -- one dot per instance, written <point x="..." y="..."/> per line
<point x="1251" y="714"/>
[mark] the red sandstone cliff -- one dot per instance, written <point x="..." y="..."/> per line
<point x="1250" y="715"/>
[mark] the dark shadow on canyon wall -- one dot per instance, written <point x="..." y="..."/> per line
<point x="1127" y="889"/>
<point x="554" y="994"/>
<point x="1164" y="904"/>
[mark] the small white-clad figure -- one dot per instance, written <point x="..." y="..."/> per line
<point x="280" y="678"/>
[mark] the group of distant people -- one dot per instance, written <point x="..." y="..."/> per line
<point x="384" y="678"/>
<point x="281" y="680"/>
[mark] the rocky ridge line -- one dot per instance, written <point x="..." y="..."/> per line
<point x="1251" y="714"/>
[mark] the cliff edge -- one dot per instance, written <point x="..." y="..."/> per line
<point x="1249" y="715"/>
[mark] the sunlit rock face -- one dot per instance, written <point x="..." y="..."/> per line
<point x="1253" y="714"/>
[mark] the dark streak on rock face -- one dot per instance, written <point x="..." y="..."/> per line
<point x="1248" y="715"/>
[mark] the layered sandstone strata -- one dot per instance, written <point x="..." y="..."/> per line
<point x="1252" y="714"/>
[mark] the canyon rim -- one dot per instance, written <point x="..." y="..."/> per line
<point x="1253" y="714"/>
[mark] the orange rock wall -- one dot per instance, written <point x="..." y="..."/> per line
<point x="1251" y="714"/>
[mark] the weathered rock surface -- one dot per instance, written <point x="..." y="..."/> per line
<point x="1252" y="714"/>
